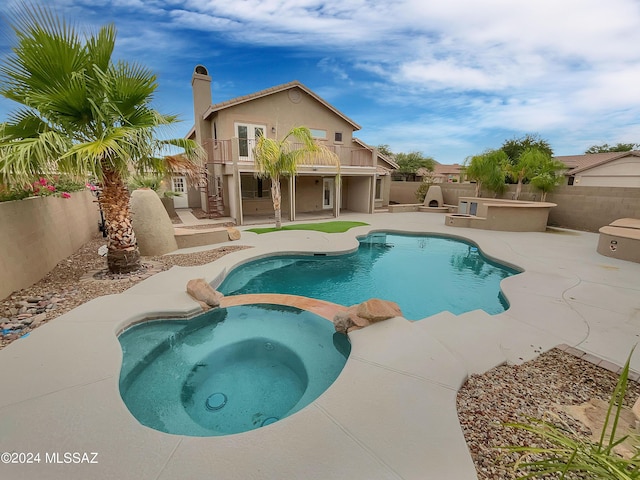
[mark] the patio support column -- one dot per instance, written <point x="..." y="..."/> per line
<point x="337" y="196"/>
<point x="235" y="152"/>
<point x="372" y="193"/>
<point x="292" y="197"/>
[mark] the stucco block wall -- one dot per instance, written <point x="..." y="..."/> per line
<point x="280" y="112"/>
<point x="385" y="188"/>
<point x="36" y="233"/>
<point x="309" y="194"/>
<point x="578" y="207"/>
<point x="358" y="194"/>
<point x="589" y="208"/>
<point x="405" y="192"/>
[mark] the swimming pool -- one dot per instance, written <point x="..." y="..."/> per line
<point x="423" y="274"/>
<point x="229" y="370"/>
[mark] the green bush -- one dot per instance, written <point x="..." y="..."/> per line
<point x="422" y="190"/>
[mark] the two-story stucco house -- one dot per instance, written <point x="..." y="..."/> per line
<point x="228" y="131"/>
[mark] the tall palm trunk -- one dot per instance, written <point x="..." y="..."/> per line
<point x="276" y="196"/>
<point x="123" y="255"/>
<point x="518" y="189"/>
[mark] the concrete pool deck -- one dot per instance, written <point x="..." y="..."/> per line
<point x="391" y="414"/>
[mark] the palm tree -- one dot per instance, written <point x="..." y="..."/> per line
<point x="275" y="158"/>
<point x="84" y="115"/>
<point x="525" y="166"/>
<point x="486" y="169"/>
<point x="548" y="176"/>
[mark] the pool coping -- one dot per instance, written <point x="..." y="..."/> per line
<point x="390" y="414"/>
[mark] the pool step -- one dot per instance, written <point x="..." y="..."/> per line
<point x="473" y="337"/>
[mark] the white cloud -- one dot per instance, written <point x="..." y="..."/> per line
<point x="332" y="66"/>
<point x="567" y="67"/>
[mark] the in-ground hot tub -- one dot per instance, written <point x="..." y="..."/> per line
<point x="458" y="220"/>
<point x="229" y="370"/>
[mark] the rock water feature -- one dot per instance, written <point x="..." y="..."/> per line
<point x="364" y="314"/>
<point x="203" y="293"/>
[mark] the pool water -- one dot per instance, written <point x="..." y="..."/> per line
<point x="229" y="370"/>
<point x="424" y="275"/>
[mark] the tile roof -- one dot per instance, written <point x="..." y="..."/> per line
<point x="440" y="170"/>
<point x="447" y="169"/>
<point x="579" y="163"/>
<point x="388" y="160"/>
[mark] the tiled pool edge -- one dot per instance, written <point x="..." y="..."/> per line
<point x="597" y="361"/>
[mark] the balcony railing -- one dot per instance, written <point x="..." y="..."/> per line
<point x="223" y="151"/>
<point x="218" y="151"/>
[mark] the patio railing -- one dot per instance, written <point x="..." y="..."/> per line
<point x="223" y="151"/>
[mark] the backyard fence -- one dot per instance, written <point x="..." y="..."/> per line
<point x="37" y="232"/>
<point x="579" y="208"/>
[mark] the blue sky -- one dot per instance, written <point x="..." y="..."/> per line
<point x="448" y="78"/>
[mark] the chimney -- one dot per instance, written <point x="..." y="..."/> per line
<point x="201" y="86"/>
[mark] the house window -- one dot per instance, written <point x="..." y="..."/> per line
<point x="253" y="187"/>
<point x="571" y="180"/>
<point x="321" y="134"/>
<point x="337" y="138"/>
<point x="248" y="135"/>
<point x="378" y="189"/>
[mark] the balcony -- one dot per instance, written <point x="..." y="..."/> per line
<point x="240" y="150"/>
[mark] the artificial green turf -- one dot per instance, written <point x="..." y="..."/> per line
<point x="326" y="227"/>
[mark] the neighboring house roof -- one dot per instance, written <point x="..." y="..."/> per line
<point x="440" y="170"/>
<point x="580" y="163"/>
<point x="389" y="161"/>
<point x="454" y="169"/>
<point x="270" y="91"/>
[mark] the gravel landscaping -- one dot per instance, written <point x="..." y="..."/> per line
<point x="78" y="279"/>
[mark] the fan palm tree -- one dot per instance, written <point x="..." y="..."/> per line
<point x="84" y="115"/>
<point x="276" y="158"/>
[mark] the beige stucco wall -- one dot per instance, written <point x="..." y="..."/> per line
<point x="280" y="112"/>
<point x="624" y="172"/>
<point x="578" y="207"/>
<point x="386" y="188"/>
<point x="589" y="208"/>
<point x="37" y="233"/>
<point x="405" y="192"/>
<point x="309" y="194"/>
<point x="507" y="215"/>
<point x="358" y="194"/>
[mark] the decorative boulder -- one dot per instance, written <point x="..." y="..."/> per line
<point x="376" y="310"/>
<point x="203" y="293"/>
<point x="364" y="314"/>
<point x="151" y="223"/>
<point x="234" y="233"/>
